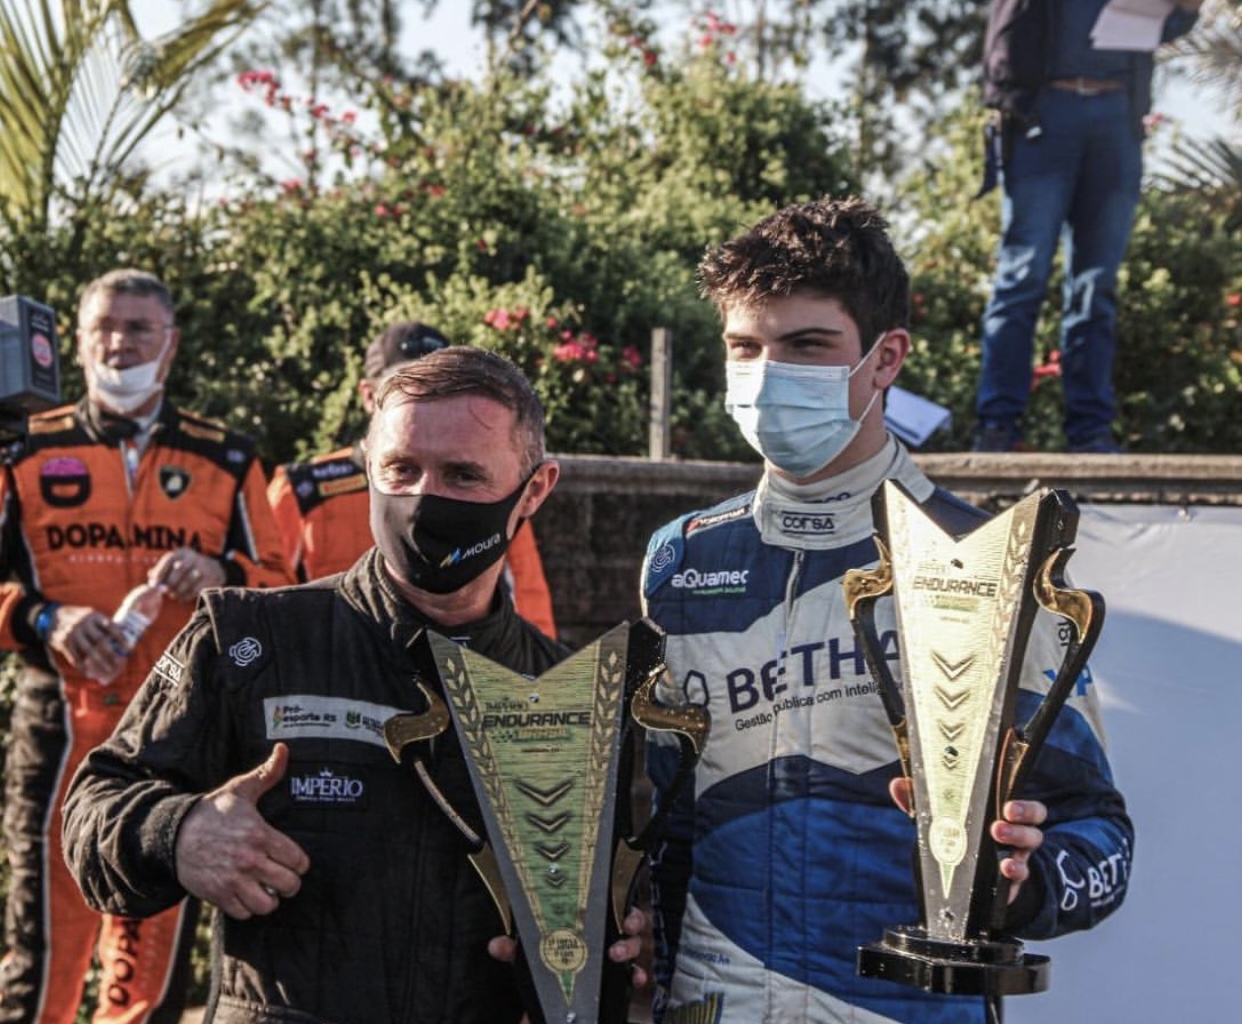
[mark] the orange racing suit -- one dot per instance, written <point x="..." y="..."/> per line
<point x="75" y="531"/>
<point x="323" y="512"/>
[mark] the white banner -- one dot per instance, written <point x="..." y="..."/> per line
<point x="1169" y="668"/>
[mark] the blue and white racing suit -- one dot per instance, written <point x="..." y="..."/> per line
<point x="789" y="853"/>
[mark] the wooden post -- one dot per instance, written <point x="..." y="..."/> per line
<point x="659" y="442"/>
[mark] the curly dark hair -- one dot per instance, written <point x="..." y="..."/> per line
<point x="833" y="248"/>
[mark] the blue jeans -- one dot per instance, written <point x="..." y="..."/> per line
<point x="1079" y="180"/>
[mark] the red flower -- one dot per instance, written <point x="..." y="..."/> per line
<point x="499" y="319"/>
<point x="632" y="357"/>
<point x="1050" y="368"/>
<point x="569" y="352"/>
<point x="251" y="78"/>
<point x="1233" y="300"/>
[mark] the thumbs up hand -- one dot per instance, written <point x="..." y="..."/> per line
<point x="228" y="855"/>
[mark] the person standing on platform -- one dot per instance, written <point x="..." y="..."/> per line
<point x="1068" y="149"/>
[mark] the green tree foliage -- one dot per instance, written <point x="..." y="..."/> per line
<point x="466" y="200"/>
<point x="575" y="218"/>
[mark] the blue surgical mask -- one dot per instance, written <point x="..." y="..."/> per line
<point x="796" y="416"/>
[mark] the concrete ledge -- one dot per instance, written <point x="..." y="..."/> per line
<point x="1142" y="479"/>
<point x="593" y="531"/>
<point x="1098" y="479"/>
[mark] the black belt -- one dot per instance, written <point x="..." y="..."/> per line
<point x="1084" y="86"/>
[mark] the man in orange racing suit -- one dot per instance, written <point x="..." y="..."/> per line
<point x="322" y="509"/>
<point x="119" y="490"/>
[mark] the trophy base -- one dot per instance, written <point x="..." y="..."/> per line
<point x="985" y="967"/>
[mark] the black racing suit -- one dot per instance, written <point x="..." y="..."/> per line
<point x="391" y="924"/>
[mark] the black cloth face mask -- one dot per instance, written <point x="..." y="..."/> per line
<point x="440" y="544"/>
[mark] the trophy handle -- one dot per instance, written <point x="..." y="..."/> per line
<point x="691" y="724"/>
<point x="1084" y="611"/>
<point x="414" y="727"/>
<point x="400" y="731"/>
<point x="863" y="588"/>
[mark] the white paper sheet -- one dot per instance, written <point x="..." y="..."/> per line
<point x="1131" y="25"/>
<point x="912" y="417"/>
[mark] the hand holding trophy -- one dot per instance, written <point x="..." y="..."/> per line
<point x="550" y="760"/>
<point x="965" y="608"/>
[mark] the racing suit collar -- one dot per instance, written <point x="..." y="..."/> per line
<point x="834" y="512"/>
<point x="108" y="428"/>
<point x="369" y="589"/>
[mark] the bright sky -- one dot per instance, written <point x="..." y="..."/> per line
<point x="448" y="32"/>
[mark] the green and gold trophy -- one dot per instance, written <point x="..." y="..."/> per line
<point x="551" y="760"/>
<point x="965" y="607"/>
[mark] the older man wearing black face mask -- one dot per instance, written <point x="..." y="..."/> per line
<point x="351" y="902"/>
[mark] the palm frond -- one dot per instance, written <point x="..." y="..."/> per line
<point x="80" y="89"/>
<point x="1216" y="164"/>
<point x="1211" y="55"/>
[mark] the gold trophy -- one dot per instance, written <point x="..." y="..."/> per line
<point x="964" y="608"/>
<point x="551" y="760"/>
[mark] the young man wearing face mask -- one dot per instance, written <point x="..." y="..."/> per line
<point x="788" y="852"/>
<point x="252" y="770"/>
<point x="118" y="490"/>
<point x="322" y="505"/>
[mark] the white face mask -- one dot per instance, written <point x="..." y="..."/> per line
<point x="797" y="417"/>
<point x="125" y="390"/>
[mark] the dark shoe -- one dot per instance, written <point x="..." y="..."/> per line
<point x="996" y="437"/>
<point x="1099" y="444"/>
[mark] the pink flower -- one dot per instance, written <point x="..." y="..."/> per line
<point x="1233" y="300"/>
<point x="1050" y="368"/>
<point x="499" y="319"/>
<point x="632" y="357"/>
<point x="569" y="352"/>
<point x="251" y="78"/>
